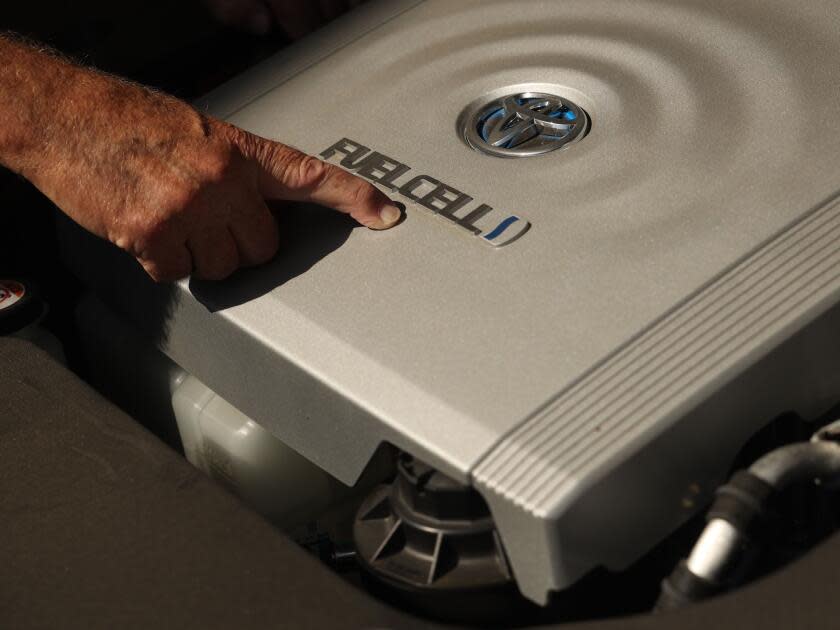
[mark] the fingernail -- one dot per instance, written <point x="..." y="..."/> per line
<point x="390" y="215"/>
<point x="260" y="23"/>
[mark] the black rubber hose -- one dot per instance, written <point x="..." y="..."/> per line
<point x="739" y="515"/>
<point x="796" y="463"/>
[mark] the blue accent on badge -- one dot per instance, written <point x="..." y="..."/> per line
<point x="501" y="228"/>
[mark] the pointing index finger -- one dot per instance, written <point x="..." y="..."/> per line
<point x="287" y="173"/>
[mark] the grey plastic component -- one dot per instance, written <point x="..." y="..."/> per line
<point x="427" y="532"/>
<point x="594" y="377"/>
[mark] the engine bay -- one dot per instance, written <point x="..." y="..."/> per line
<point x="594" y="370"/>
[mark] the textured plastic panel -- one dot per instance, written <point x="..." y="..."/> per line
<point x="616" y="404"/>
<point x="754" y="323"/>
<point x="450" y="346"/>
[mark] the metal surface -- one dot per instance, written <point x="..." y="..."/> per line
<point x="524" y="124"/>
<point x="674" y="292"/>
<point x="715" y="553"/>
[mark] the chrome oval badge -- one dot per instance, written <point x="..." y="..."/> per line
<point x="524" y="124"/>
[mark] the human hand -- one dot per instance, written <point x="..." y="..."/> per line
<point x="295" y="17"/>
<point x="181" y="192"/>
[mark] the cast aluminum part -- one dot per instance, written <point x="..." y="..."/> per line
<point x="594" y="378"/>
<point x="714" y="555"/>
<point x="720" y="547"/>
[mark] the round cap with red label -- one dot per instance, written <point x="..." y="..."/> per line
<point x="20" y="305"/>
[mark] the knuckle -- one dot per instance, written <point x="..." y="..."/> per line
<point x="306" y="172"/>
<point x="266" y="250"/>
<point x="218" y="264"/>
<point x="247" y="144"/>
<point x="163" y="265"/>
<point x="217" y="164"/>
<point x="155" y="272"/>
<point x="312" y="171"/>
<point x="147" y="234"/>
<point x="363" y="194"/>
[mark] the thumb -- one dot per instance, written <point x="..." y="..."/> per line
<point x="286" y="173"/>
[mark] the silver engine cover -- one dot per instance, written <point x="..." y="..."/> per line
<point x="594" y="377"/>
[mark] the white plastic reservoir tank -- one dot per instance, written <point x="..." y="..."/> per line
<point x="217" y="438"/>
<point x="233" y="449"/>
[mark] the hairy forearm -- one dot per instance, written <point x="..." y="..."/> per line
<point x="39" y="94"/>
<point x="177" y="190"/>
<point x="62" y="123"/>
